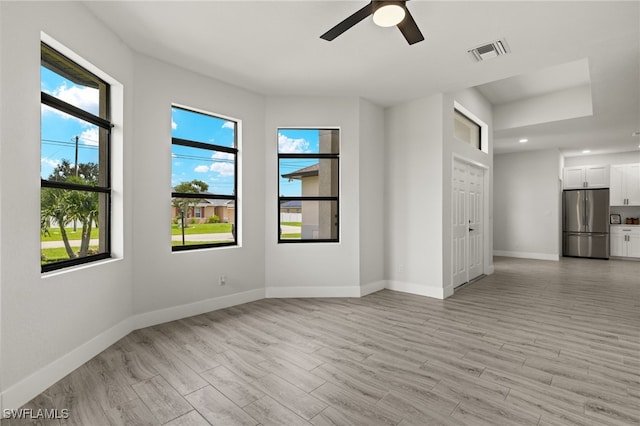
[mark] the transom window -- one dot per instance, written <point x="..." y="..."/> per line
<point x="204" y="180"/>
<point x="75" y="194"/>
<point x="467" y="130"/>
<point x="308" y="170"/>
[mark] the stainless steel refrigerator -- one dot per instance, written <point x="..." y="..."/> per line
<point x="585" y="228"/>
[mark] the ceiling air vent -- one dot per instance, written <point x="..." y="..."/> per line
<point x="489" y="50"/>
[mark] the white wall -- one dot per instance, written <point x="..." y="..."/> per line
<point x="420" y="149"/>
<point x="562" y="105"/>
<point x="64" y="315"/>
<point x="603" y="159"/>
<point x="314" y="269"/>
<point x="413" y="205"/>
<point x="187" y="281"/>
<point x="527" y="205"/>
<point x="371" y="197"/>
<point x="477" y="105"/>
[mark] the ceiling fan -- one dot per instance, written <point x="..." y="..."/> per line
<point x="385" y="14"/>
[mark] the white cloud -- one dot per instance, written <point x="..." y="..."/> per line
<point x="174" y="125"/>
<point x="228" y="125"/>
<point x="222" y="163"/>
<point x="86" y="98"/>
<point x="201" y="169"/>
<point x="223" y="169"/>
<point x="291" y="146"/>
<point x="90" y="137"/>
<point x="50" y="162"/>
<point x="219" y="155"/>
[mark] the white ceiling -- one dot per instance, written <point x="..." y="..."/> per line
<point x="273" y="47"/>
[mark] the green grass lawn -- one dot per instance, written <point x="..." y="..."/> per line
<point x="193" y="243"/>
<point x="291" y="223"/>
<point x="51" y="255"/>
<point x="291" y="236"/>
<point x="202" y="228"/>
<point x="199" y="228"/>
<point x="55" y="235"/>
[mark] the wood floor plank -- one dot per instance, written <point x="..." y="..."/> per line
<point x="429" y="409"/>
<point x="269" y="413"/>
<point x="131" y="413"/>
<point x="300" y="402"/>
<point x="619" y="414"/>
<point x="192" y="418"/>
<point x="354" y="406"/>
<point x="218" y="409"/>
<point x="232" y="386"/>
<point x="492" y="413"/>
<point x="305" y="380"/>
<point x="162" y="399"/>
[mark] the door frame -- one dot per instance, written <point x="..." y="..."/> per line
<point x="487" y="243"/>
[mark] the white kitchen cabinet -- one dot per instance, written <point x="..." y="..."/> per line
<point x="625" y="241"/>
<point x="586" y="177"/>
<point x="625" y="185"/>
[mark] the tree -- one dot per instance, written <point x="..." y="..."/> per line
<point x="193" y="187"/>
<point x="65" y="205"/>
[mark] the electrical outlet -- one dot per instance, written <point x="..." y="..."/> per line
<point x="222" y="280"/>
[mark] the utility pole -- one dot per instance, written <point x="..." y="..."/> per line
<point x="76" y="163"/>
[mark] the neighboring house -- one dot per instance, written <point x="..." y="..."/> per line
<point x="309" y="210"/>
<point x="224" y="209"/>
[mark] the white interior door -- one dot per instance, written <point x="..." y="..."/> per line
<point x="460" y="224"/>
<point x="476" y="223"/>
<point x="467" y="222"/>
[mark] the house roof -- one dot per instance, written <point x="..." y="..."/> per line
<point x="304" y="172"/>
<point x="215" y="202"/>
<point x="291" y="204"/>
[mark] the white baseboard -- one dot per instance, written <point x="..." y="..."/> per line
<point x="29" y="387"/>
<point x="345" y="291"/>
<point x="419" y="289"/>
<point x="173" y="313"/>
<point x="302" y="292"/>
<point x="526" y="255"/>
<point x="372" y="287"/>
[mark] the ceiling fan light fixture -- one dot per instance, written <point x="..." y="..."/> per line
<point x="388" y="15"/>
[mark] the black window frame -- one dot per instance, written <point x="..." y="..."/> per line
<point x="336" y="198"/>
<point x="49" y="57"/>
<point x="219" y="148"/>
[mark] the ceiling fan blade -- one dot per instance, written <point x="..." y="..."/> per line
<point x="348" y="23"/>
<point x="409" y="29"/>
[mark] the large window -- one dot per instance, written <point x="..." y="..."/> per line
<point x="203" y="179"/>
<point x="75" y="194"/>
<point x="308" y="169"/>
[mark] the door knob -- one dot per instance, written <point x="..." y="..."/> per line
<point x="471" y="229"/>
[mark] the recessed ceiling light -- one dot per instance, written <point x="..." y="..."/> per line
<point x="523" y="140"/>
<point x="586" y="151"/>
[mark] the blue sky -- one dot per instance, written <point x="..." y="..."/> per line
<point x="213" y="167"/>
<point x="295" y="141"/>
<point x="58" y="130"/>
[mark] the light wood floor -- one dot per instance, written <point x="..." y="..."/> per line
<point x="537" y="343"/>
